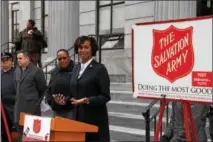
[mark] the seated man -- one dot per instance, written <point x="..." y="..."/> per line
<point x="176" y="130"/>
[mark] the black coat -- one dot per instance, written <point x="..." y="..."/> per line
<point x="94" y="84"/>
<point x="8" y="96"/>
<point x="30" y="86"/>
<point x="60" y="84"/>
<point x="32" y="43"/>
<point x="8" y="91"/>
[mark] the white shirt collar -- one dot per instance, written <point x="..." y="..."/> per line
<point x="87" y="63"/>
<point x="84" y="66"/>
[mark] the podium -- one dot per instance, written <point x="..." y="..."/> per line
<point x="63" y="129"/>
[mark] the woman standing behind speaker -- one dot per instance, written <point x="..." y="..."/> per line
<point x="90" y="87"/>
<point x="59" y="86"/>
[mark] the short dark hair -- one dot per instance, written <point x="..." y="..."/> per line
<point x="63" y="50"/>
<point x="80" y="40"/>
<point x="31" y="21"/>
<point x="24" y="52"/>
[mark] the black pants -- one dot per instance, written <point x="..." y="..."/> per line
<point x="36" y="59"/>
<point x="4" y="137"/>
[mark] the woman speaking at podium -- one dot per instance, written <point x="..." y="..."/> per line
<point x="90" y="89"/>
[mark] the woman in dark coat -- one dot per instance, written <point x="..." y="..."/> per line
<point x="90" y="87"/>
<point x="59" y="85"/>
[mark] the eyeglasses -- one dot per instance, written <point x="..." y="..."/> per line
<point x="62" y="58"/>
<point x="5" y="59"/>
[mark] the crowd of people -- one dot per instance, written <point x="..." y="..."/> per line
<point x="79" y="92"/>
<point x="75" y="91"/>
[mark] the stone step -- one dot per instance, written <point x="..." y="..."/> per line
<point x="117" y="86"/>
<point x="126" y="96"/>
<point x="130" y="124"/>
<point x="122" y="78"/>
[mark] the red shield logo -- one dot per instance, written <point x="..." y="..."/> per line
<point x="172" y="53"/>
<point x="37" y="125"/>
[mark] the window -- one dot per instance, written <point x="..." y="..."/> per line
<point x="110" y="24"/>
<point x="111" y="16"/>
<point x="14" y="22"/>
<point x="112" y="42"/>
<point x="204" y="7"/>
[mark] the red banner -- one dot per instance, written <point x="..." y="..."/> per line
<point x="201" y="79"/>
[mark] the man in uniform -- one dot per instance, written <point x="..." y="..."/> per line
<point x="8" y="92"/>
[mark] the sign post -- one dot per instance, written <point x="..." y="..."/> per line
<point x="173" y="58"/>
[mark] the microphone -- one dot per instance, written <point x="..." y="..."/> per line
<point x="42" y="97"/>
<point x="45" y="92"/>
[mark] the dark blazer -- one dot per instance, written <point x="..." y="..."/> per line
<point x="94" y="84"/>
<point x="30" y="85"/>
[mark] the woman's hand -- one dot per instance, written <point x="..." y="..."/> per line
<point x="79" y="101"/>
<point x="59" y="99"/>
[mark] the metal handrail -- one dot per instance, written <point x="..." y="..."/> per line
<point x="149" y="119"/>
<point x="156" y="113"/>
<point x="8" y="48"/>
<point x="151" y="104"/>
<point x="5" y="44"/>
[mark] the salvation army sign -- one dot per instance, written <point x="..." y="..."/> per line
<point x="36" y="128"/>
<point x="173" y="59"/>
<point x="172" y="52"/>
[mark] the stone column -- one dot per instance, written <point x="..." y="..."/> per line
<point x="168" y="10"/>
<point x="4" y="23"/>
<point x="25" y="13"/>
<point x="63" y="25"/>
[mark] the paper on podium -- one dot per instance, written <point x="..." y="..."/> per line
<point x="44" y="106"/>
